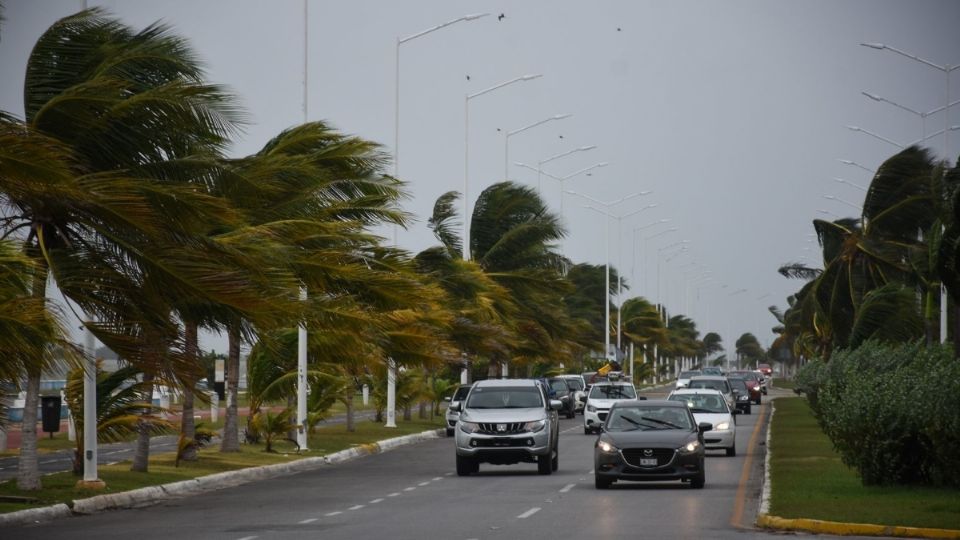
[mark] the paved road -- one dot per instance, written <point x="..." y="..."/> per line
<point x="413" y="492"/>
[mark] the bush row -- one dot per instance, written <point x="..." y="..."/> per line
<point x="891" y="411"/>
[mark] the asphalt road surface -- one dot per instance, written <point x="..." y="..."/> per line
<point x="413" y="492"/>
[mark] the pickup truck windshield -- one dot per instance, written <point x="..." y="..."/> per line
<point x="493" y="397"/>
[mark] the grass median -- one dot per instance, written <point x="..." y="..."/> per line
<point x="808" y="480"/>
<point x="60" y="487"/>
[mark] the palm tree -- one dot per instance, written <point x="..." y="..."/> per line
<point x="643" y="326"/>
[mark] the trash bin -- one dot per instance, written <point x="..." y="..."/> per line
<point x="50" y="409"/>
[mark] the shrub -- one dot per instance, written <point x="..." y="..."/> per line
<point x="891" y="411"/>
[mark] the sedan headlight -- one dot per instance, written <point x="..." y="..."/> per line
<point x="722" y="426"/>
<point x="591" y="408"/>
<point x="689" y="448"/>
<point x="536" y="426"/>
<point x="468" y="427"/>
<point x="606" y="447"/>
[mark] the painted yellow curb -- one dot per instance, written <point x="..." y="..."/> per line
<point x="849" y="529"/>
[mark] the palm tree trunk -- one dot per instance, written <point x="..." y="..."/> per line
<point x="28" y="472"/>
<point x="231" y="438"/>
<point x="188" y="429"/>
<point x="348" y="401"/>
<point x="28" y="466"/>
<point x="407" y="413"/>
<point x="141" y="455"/>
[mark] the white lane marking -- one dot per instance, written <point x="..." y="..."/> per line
<point x="528" y="513"/>
<point x="394" y="494"/>
<point x="591" y="471"/>
<point x="567" y="488"/>
<point x="356" y="507"/>
<point x="337" y="513"/>
<point x="421" y="484"/>
<point x="375" y="501"/>
<point x="409" y="489"/>
<point x="448" y="474"/>
<point x="311" y="520"/>
<point x="248" y="538"/>
<point x="435" y="478"/>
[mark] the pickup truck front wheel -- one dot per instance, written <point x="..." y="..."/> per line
<point x="466" y="466"/>
<point x="544" y="464"/>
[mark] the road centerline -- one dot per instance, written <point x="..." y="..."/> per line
<point x="529" y="513"/>
<point x="567" y="488"/>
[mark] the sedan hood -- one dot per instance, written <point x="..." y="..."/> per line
<point x="672" y="438"/>
<point x="713" y="418"/>
<point x="604" y="403"/>
<point x="503" y="415"/>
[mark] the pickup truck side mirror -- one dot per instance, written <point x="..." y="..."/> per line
<point x="447" y="399"/>
<point x="456" y="406"/>
<point x="556" y="404"/>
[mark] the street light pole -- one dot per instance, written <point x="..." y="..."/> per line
<point x="391" y="365"/>
<point x="506" y="138"/>
<point x="466" y="154"/>
<point x="541" y="163"/>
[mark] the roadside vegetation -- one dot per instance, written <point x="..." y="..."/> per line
<point x="810" y="480"/>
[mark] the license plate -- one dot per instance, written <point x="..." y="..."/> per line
<point x="649" y="462"/>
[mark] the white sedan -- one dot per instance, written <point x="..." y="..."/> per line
<point x="710" y="406"/>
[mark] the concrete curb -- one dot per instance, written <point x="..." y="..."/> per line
<point x="185" y="488"/>
<point x="767" y="521"/>
<point x="35" y="515"/>
<point x="848" y="529"/>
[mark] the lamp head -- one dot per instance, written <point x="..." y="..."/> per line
<point x="531" y="77"/>
<point x="475" y="16"/>
<point x="878" y="46"/>
<point x="561" y="116"/>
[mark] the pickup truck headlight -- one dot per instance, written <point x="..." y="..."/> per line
<point x="591" y="408"/>
<point x="468" y="427"/>
<point x="722" y="426"/>
<point x="536" y="426"/>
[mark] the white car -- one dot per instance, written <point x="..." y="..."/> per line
<point x="716" y="383"/>
<point x="710" y="406"/>
<point x="580" y="395"/>
<point x="683" y="380"/>
<point x="602" y="396"/>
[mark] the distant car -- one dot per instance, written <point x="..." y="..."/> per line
<point x="650" y="441"/>
<point x="742" y="396"/>
<point x="754" y="383"/>
<point x="764" y="381"/>
<point x="601" y="398"/>
<point x="684" y="378"/>
<point x="716" y="383"/>
<point x="710" y="406"/>
<point x="766" y="369"/>
<point x="453" y="415"/>
<point x="566" y="392"/>
<point x="712" y="371"/>
<point x="581" y="390"/>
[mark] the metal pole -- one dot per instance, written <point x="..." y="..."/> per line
<point x="302" y="380"/>
<point x="391" y="394"/>
<point x="466" y="178"/>
<point x="619" y="277"/>
<point x="89" y="409"/>
<point x="606" y="304"/>
<point x="944" y="301"/>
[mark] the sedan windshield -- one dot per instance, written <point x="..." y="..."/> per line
<point x="688" y="374"/>
<point x="648" y="419"/>
<point x="494" y="397"/>
<point x="739" y="385"/>
<point x="702" y="403"/>
<point x="613" y="391"/>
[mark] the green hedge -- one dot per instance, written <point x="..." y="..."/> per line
<point x="891" y="411"/>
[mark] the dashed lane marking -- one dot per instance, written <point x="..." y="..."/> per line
<point x="394" y="494"/>
<point x="411" y="488"/>
<point x="249" y="538"/>
<point x="330" y="514"/>
<point x="435" y="478"/>
<point x="311" y="520"/>
<point x="567" y="488"/>
<point x="448" y="474"/>
<point x="356" y="507"/>
<point x="421" y="484"/>
<point x="529" y="513"/>
<point x="375" y="501"/>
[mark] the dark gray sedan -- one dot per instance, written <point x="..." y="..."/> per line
<point x="650" y="441"/>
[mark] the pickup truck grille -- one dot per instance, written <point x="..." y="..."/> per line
<point x="501" y="428"/>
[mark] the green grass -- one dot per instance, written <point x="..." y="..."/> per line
<point x="808" y="480"/>
<point x="60" y="487"/>
<point x="783" y="383"/>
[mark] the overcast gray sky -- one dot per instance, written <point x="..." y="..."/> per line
<point x="731" y="113"/>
